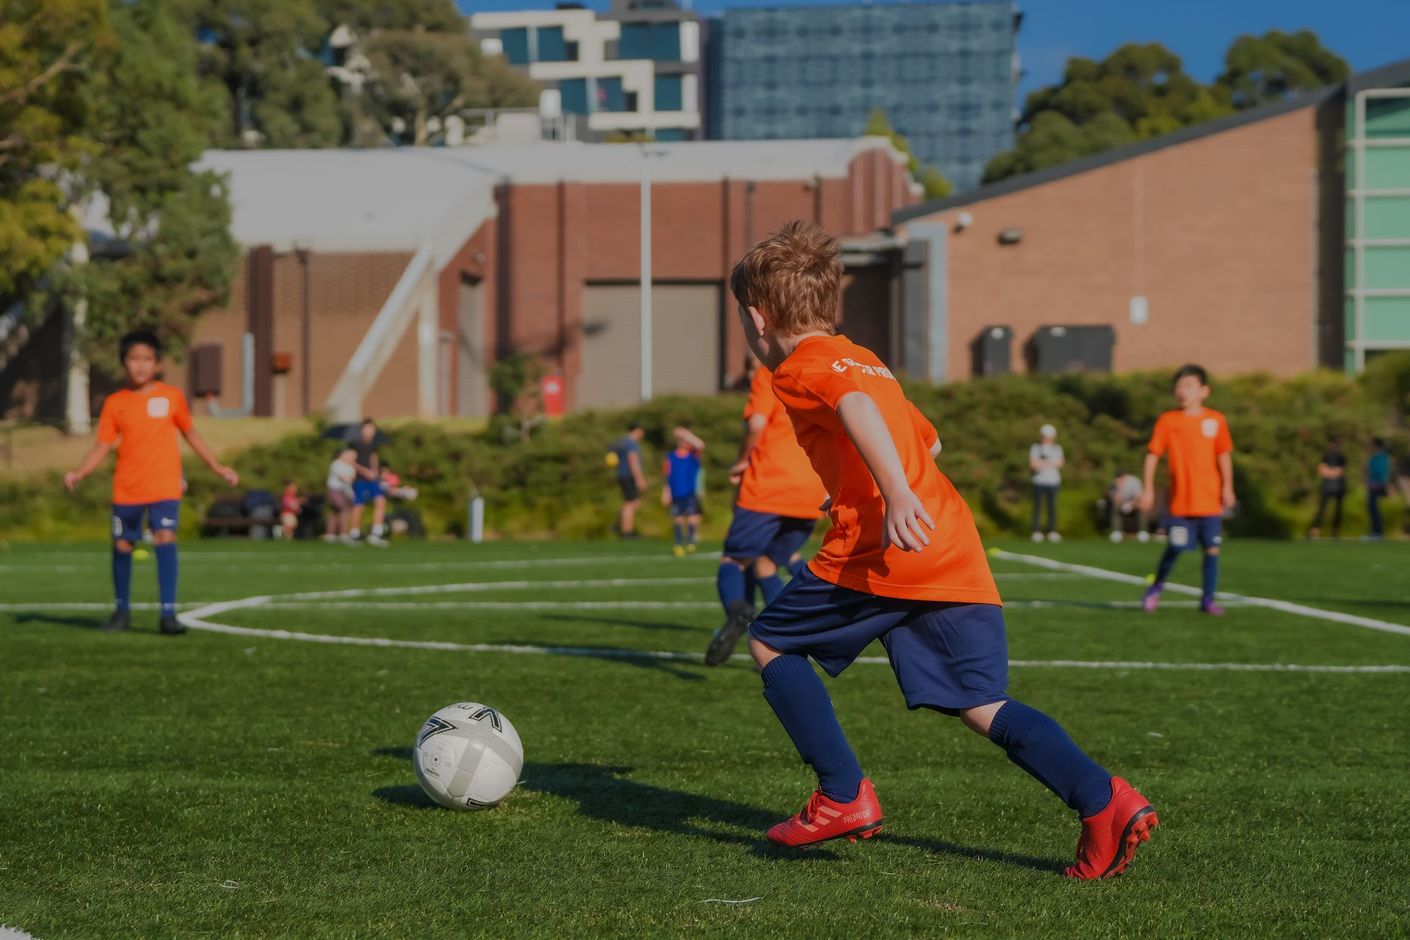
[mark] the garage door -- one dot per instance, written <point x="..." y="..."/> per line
<point x="685" y="351"/>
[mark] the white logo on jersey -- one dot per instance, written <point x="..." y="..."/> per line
<point x="117" y="527"/>
<point x="1209" y="427"/>
<point x="1179" y="536"/>
<point x="158" y="407"/>
<point x="842" y="365"/>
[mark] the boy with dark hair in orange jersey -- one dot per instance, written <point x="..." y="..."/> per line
<point x="777" y="507"/>
<point x="902" y="563"/>
<point x="143" y="420"/>
<point x="1196" y="441"/>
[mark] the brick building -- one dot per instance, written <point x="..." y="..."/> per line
<point x="390" y="281"/>
<point x="1226" y="244"/>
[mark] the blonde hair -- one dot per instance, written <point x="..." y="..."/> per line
<point x="795" y="275"/>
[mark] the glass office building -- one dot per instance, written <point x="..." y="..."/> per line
<point x="944" y="72"/>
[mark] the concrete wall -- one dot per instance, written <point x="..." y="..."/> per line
<point x="1219" y="234"/>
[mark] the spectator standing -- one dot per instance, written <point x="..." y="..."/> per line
<point x="367" y="488"/>
<point x="625" y="455"/>
<point x="1331" y="472"/>
<point x="290" y="505"/>
<point x="1377" y="484"/>
<point x="1046" y="461"/>
<point x="341" y="474"/>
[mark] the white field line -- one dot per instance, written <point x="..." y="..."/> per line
<point x="627" y="605"/>
<point x="199" y="620"/>
<point x="90" y="605"/>
<point x="1287" y="607"/>
<point x="279" y="560"/>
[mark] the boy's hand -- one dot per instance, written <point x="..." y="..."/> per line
<point x="907" y="523"/>
<point x="1229" y="498"/>
<point x="665" y="498"/>
<point x="228" y="475"/>
<point x="72" y="479"/>
<point x="1147" y="502"/>
<point x="736" y="473"/>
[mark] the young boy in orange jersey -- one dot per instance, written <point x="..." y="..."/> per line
<point x="777" y="507"/>
<point x="143" y="420"/>
<point x="881" y="574"/>
<point x="1196" y="441"/>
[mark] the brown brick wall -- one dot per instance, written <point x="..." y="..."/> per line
<point x="1217" y="233"/>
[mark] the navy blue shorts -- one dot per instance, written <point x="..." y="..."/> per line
<point x="946" y="656"/>
<point x="1185" y="532"/>
<point x="685" y="505"/>
<point x="161" y="516"/>
<point x="765" y="535"/>
<point x="365" y="491"/>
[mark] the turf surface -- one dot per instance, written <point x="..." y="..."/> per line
<point x="242" y="784"/>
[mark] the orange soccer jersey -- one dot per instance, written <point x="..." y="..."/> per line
<point x="145" y="424"/>
<point x="779" y="479"/>
<point x="810" y="383"/>
<point x="1192" y="444"/>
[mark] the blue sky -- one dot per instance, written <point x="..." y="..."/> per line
<point x="1366" y="33"/>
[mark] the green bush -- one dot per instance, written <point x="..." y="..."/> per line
<point x="558" y="482"/>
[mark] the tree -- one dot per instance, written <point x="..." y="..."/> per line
<point x="1260" y="69"/>
<point x="416" y="80"/>
<point x="1142" y="91"/>
<point x="172" y="254"/>
<point x="932" y="181"/>
<point x="47" y="50"/>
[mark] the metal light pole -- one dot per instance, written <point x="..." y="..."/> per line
<point x="646" y="370"/>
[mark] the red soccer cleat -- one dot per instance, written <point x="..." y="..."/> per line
<point x="1111" y="837"/>
<point x="823" y="819"/>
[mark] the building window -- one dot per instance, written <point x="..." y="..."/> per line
<point x="516" y="45"/>
<point x="612" y="97"/>
<point x="574" y="94"/>
<point x="668" y="93"/>
<point x="659" y="42"/>
<point x="552" y="48"/>
<point x="672" y="133"/>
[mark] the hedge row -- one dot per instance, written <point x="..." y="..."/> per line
<point x="557" y="482"/>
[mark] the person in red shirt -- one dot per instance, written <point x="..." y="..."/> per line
<point x="143" y="420"/>
<point x="902" y="564"/>
<point x="1196" y="442"/>
<point x="775" y="511"/>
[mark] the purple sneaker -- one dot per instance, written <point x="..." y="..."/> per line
<point x="1211" y="608"/>
<point x="1152" y="599"/>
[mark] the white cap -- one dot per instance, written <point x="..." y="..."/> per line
<point x="1048" y="430"/>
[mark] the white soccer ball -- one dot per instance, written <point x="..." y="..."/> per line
<point x="467" y="756"/>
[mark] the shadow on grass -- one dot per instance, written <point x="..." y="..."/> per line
<point x="62" y="620"/>
<point x="624" y="622"/>
<point x="687" y="666"/>
<point x="605" y="794"/>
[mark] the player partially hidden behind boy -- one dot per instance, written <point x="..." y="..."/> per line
<point x="143" y="419"/>
<point x="1195" y="440"/>
<point x="681" y="491"/>
<point x="902" y="563"/>
<point x="779" y="503"/>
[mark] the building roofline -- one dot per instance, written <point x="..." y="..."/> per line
<point x="1394" y="73"/>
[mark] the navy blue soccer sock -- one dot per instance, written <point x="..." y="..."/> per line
<point x="680" y="533"/>
<point x="770" y="586"/>
<point x="122" y="578"/>
<point x="1167" y="562"/>
<point x="1211" y="576"/>
<point x="166" y="578"/>
<point x="729" y="581"/>
<point x="1038" y="744"/>
<point x="795" y="568"/>
<point x="799" y="699"/>
<point x="751" y="582"/>
<point x="692" y="531"/>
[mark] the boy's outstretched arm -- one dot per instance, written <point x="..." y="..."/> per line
<point x="1148" y="483"/>
<point x="753" y="432"/>
<point x="90" y="462"/>
<point x="907" y="521"/>
<point x="203" y="450"/>
<point x="691" y="439"/>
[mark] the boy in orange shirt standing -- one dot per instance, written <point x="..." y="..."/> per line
<point x="1196" y="441"/>
<point x="777" y="507"/>
<point x="881" y="575"/>
<point x="143" y="420"/>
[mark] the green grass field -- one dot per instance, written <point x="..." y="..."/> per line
<point x="258" y="784"/>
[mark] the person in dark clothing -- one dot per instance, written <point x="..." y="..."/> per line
<point x="1332" y="474"/>
<point x="1377" y="485"/>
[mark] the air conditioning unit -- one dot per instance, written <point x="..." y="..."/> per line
<point x="1053" y="350"/>
<point x="992" y="351"/>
